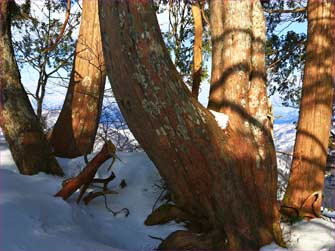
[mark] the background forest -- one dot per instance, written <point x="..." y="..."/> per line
<point x="141" y="125"/>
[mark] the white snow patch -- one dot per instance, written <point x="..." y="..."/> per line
<point x="221" y="118"/>
<point x="284" y="137"/>
<point x="316" y="234"/>
<point x="328" y="213"/>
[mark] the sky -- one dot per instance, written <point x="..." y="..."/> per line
<point x="56" y="94"/>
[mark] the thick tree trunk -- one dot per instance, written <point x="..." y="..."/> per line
<point x="238" y="89"/>
<point x="214" y="173"/>
<point x="74" y="132"/>
<point x="310" y="150"/>
<point x="18" y="121"/>
<point x="197" y="49"/>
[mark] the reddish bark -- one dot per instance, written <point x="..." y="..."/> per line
<point x="75" y="130"/>
<point x="214" y="173"/>
<point x="85" y="178"/>
<point x="310" y="149"/>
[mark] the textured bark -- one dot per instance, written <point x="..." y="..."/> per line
<point x="197" y="49"/>
<point x="310" y="149"/>
<point x="238" y="89"/>
<point x="75" y="130"/>
<point x="25" y="137"/>
<point x="214" y="173"/>
<point x="257" y="99"/>
<point x="258" y="103"/>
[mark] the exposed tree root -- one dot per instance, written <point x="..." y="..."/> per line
<point x="308" y="210"/>
<point x="181" y="240"/>
<point x="166" y="213"/>
<point x="200" y="234"/>
<point x="92" y="195"/>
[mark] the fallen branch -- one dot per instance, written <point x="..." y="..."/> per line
<point x="86" y="177"/>
<point x="285" y="153"/>
<point x="104" y="191"/>
<point x="93" y="195"/>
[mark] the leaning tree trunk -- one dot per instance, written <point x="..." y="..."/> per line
<point x="214" y="173"/>
<point x="18" y="121"/>
<point x="310" y="150"/>
<point x="75" y="130"/>
<point x="197" y="49"/>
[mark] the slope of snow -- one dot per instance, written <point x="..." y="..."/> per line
<point x="316" y="234"/>
<point x="284" y="137"/>
<point x="32" y="219"/>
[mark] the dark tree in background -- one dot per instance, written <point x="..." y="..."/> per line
<point x="22" y="130"/>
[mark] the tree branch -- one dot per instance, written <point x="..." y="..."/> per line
<point x="296" y="10"/>
<point x="67" y="16"/>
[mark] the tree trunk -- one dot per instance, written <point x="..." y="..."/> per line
<point x="197" y="49"/>
<point x="310" y="149"/>
<point x="213" y="173"/>
<point x="74" y="132"/>
<point x="18" y="121"/>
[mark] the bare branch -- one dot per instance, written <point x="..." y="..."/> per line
<point x="296" y="10"/>
<point x="67" y="16"/>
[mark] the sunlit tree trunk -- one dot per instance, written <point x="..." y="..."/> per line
<point x="28" y="144"/>
<point x="310" y="150"/>
<point x="75" y="130"/>
<point x="238" y="89"/>
<point x="215" y="174"/>
<point x="258" y="101"/>
<point x="197" y="49"/>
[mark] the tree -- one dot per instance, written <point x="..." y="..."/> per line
<point x="197" y="49"/>
<point x="304" y="192"/>
<point x="38" y="31"/>
<point x="75" y="130"/>
<point x="180" y="37"/>
<point x="28" y="145"/>
<point x="285" y="50"/>
<point x="224" y="179"/>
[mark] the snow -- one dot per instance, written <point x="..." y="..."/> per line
<point x="31" y="218"/>
<point x="284" y="135"/>
<point x="221" y="118"/>
<point x="316" y="234"/>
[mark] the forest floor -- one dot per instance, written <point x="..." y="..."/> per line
<point x="32" y="219"/>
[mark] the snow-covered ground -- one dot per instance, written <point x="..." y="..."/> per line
<point x="31" y="218"/>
